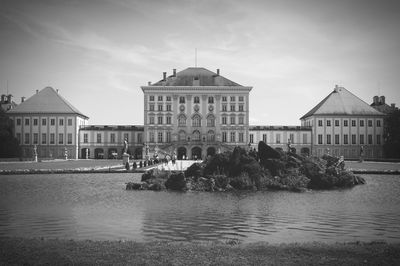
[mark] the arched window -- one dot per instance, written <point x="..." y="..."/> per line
<point x="196" y="135"/>
<point x="210" y="135"/>
<point x="196" y="121"/>
<point x="181" y="120"/>
<point x="196" y="99"/>
<point x="211" y="121"/>
<point x="182" y="135"/>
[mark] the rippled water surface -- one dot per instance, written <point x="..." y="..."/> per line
<point x="97" y="207"/>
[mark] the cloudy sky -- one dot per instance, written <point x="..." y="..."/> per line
<point x="293" y="52"/>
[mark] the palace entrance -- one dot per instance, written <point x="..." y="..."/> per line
<point x="182" y="153"/>
<point x="211" y="151"/>
<point x="196" y="153"/>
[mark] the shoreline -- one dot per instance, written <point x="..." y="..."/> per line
<point x="20" y="251"/>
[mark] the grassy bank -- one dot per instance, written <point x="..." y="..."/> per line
<point x="16" y="251"/>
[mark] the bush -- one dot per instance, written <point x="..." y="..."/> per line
<point x="176" y="182"/>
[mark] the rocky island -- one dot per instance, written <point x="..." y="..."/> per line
<point x="267" y="169"/>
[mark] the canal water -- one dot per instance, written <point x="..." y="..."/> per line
<point x="97" y="207"/>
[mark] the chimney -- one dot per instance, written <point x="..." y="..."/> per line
<point x="148" y="83"/>
<point x="393" y="105"/>
<point x="382" y="100"/>
<point x="164" y="76"/>
<point x="37" y="91"/>
<point x="376" y="100"/>
<point x="22" y="99"/>
<point x="3" y="98"/>
<point x="174" y="72"/>
<point x="57" y="90"/>
<point x="9" y="98"/>
<point x="217" y="71"/>
<point x="336" y="88"/>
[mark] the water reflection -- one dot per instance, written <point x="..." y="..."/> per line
<point x="88" y="206"/>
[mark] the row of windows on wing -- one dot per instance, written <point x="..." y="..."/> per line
<point x="276" y="138"/>
<point x="168" y="107"/>
<point x="196" y="99"/>
<point x="35" y="121"/>
<point x="346" y="123"/>
<point x="43" y="140"/>
<point x="196" y="136"/>
<point x="196" y="120"/>
<point x="112" y="138"/>
<point x="345" y="139"/>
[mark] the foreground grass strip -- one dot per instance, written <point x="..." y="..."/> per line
<point x="17" y="251"/>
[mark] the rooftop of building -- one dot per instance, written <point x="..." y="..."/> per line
<point x="46" y="101"/>
<point x="195" y="76"/>
<point x="342" y="102"/>
<point x="113" y="127"/>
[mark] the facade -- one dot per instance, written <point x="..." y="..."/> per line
<point x="343" y="124"/>
<point x="48" y="122"/>
<point x="195" y="113"/>
<point x="106" y="142"/>
<point x="278" y="137"/>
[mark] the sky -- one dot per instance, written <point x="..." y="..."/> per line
<point x="292" y="52"/>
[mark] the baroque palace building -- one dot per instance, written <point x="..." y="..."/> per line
<point x="195" y="113"/>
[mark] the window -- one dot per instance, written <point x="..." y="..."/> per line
<point x="241" y="98"/>
<point x="241" y="107"/>
<point x="210" y="99"/>
<point x="345" y="139"/>
<point x="69" y="122"/>
<point x="353" y="123"/>
<point x="233" y="98"/>
<point x="370" y="123"/>
<point x="159" y="137"/>
<point x="98" y="137"/>
<point x="169" y="107"/>
<point x="61" y="122"/>
<point x="353" y="139"/>
<point x="319" y="138"/>
<point x="278" y="138"/>
<point x="370" y="139"/>
<point x="224" y="120"/>
<point x="26" y="139"/>
<point x="241" y="137"/>
<point x="182" y="120"/>
<point x="345" y="123"/>
<point x="378" y="139"/>
<point x="35" y="121"/>
<point x="52" y="122"/>
<point x="53" y="138"/>
<point x="151" y="136"/>
<point x="85" y="138"/>
<point x="182" y="99"/>
<point x="112" y="137"/>
<point x="151" y="107"/>
<point x="291" y="137"/>
<point x="336" y="123"/>
<point x="210" y="135"/>
<point x="361" y="139"/>
<point x="126" y="136"/>
<point x="196" y="99"/>
<point x="361" y="123"/>
<point x="224" y="136"/>
<point x="182" y="135"/>
<point x="26" y="121"/>
<point x="160" y="120"/>
<point x="233" y="136"/>
<point x="139" y="138"/>
<point x="69" y="138"/>
<point x="18" y="121"/>
<point x="35" y="138"/>
<point x="241" y="120"/>
<point x="320" y="123"/>
<point x="60" y="138"/>
<point x="264" y="138"/>
<point x="18" y="135"/>
<point x="251" y="138"/>
<point x="44" y="138"/>
<point x="169" y="120"/>
<point x="305" y="139"/>
<point x="210" y="121"/>
<point x="160" y="98"/>
<point x="151" y="122"/>
<point x="196" y="135"/>
<point x="224" y="108"/>
<point x="196" y="122"/>
<point x="328" y="139"/>
<point x="233" y="120"/>
<point x="328" y="123"/>
<point x="168" y="98"/>
<point x="232" y="107"/>
<point x="168" y="137"/>
<point x="160" y="107"/>
<point x="378" y="123"/>
<point x="224" y="98"/>
<point x="151" y="98"/>
<point x="336" y="138"/>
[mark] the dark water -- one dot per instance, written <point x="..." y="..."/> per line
<point x="97" y="207"/>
